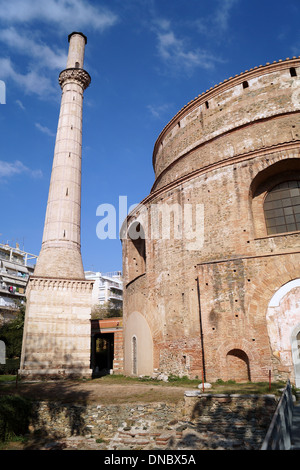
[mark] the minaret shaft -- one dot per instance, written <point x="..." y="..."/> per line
<point x="60" y="255"/>
<point x="57" y="329"/>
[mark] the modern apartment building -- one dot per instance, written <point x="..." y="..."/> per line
<point x="107" y="333"/>
<point x="108" y="287"/>
<point x="16" y="265"/>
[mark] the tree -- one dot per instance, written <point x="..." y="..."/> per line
<point x="12" y="334"/>
<point x="106" y="310"/>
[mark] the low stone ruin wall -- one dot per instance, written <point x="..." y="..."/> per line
<point x="200" y="421"/>
<point x="243" y="418"/>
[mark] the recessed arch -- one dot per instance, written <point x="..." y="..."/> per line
<point x="138" y="345"/>
<point x="136" y="250"/>
<point x="283" y="171"/>
<point x="238" y="365"/>
<point x="273" y="169"/>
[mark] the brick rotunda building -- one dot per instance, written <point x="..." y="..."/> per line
<point x="211" y="258"/>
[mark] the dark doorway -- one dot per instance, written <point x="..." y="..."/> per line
<point x="104" y="353"/>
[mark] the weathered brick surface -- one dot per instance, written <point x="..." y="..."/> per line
<point x="223" y="159"/>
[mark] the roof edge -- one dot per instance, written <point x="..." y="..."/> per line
<point x="222" y="86"/>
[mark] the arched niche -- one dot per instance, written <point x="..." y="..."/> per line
<point x="138" y="346"/>
<point x="136" y="250"/>
<point x="237" y="365"/>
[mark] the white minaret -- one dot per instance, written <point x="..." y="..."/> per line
<point x="60" y="255"/>
<point x="57" y="331"/>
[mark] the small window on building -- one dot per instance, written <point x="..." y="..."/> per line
<point x="293" y="72"/>
<point x="134" y="356"/>
<point x="207" y="104"/>
<point x="245" y="84"/>
<point x="282" y="208"/>
<point x="76" y="65"/>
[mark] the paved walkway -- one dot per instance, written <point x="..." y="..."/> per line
<point x="296" y="427"/>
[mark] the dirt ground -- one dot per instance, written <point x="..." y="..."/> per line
<point x="96" y="392"/>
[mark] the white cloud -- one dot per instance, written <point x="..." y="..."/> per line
<point x="23" y="24"/>
<point x="64" y="14"/>
<point x="20" y="104"/>
<point x="45" y="56"/>
<point x="32" y="82"/>
<point x="217" y="23"/>
<point x="175" y="51"/>
<point x="44" y="129"/>
<point x="159" y="111"/>
<point x="222" y="14"/>
<point x="8" y="169"/>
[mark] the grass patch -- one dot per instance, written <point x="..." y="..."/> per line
<point x="123" y="380"/>
<point x="7" y="378"/>
<point x="251" y="388"/>
<point x="229" y="387"/>
<point x="11" y="367"/>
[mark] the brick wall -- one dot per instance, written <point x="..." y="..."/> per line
<point x="220" y="159"/>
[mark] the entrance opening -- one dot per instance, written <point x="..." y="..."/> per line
<point x="104" y="352"/>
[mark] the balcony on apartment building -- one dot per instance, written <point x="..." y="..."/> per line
<point x="14" y="274"/>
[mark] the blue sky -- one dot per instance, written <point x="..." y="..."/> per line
<point x="147" y="59"/>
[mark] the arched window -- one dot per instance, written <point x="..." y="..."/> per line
<point x="134" y="356"/>
<point x="282" y="208"/>
<point x="136" y="250"/>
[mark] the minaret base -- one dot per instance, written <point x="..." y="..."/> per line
<point x="59" y="261"/>
<point x="57" y="330"/>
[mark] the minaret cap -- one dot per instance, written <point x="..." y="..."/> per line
<point x="76" y="32"/>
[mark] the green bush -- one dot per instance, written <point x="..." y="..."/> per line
<point x="11" y="367"/>
<point x="14" y="416"/>
<point x="106" y="310"/>
<point x="12" y="334"/>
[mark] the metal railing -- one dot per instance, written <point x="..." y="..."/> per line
<point x="278" y="436"/>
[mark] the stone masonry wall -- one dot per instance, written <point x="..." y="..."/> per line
<point x="198" y="422"/>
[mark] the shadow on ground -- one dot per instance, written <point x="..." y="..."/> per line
<point x="20" y="406"/>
